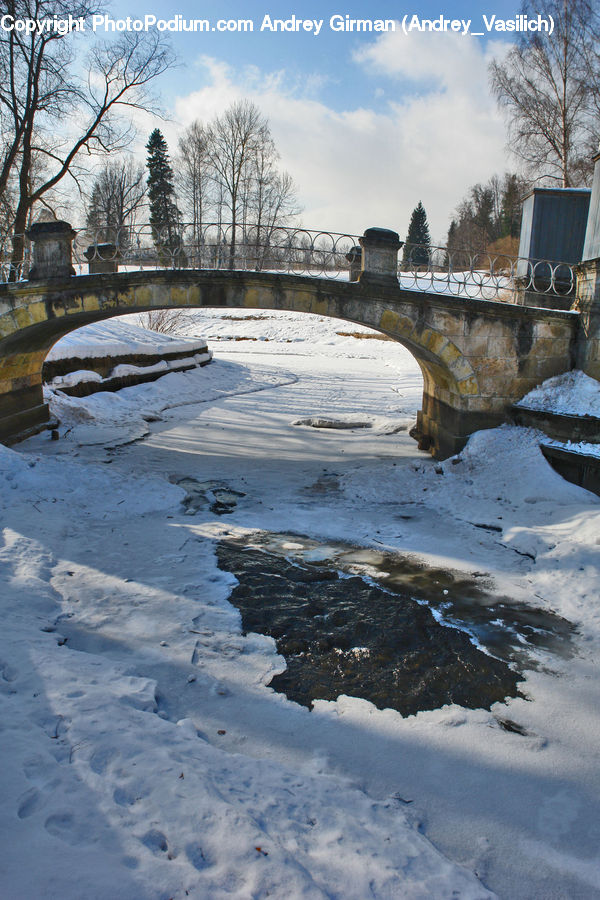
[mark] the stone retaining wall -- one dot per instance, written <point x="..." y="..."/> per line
<point x="558" y="426"/>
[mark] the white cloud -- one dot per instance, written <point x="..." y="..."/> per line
<point x="364" y="167"/>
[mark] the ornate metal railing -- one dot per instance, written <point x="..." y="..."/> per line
<point x="302" y="251"/>
<point x="216" y="246"/>
<point x="482" y="274"/>
<point x="14" y="271"/>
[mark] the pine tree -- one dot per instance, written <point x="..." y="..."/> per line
<point x="164" y="214"/>
<point x="450" y="244"/>
<point x="512" y="204"/>
<point x="418" y="241"/>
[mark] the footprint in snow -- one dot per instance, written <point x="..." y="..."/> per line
<point x="196" y="856"/>
<point x="123" y="797"/>
<point x="41" y="772"/>
<point x="7" y="673"/>
<point x="29" y="802"/>
<point x="64" y="826"/>
<point x="155" y="841"/>
<point x="101" y="759"/>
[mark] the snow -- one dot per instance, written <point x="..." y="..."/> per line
<point x="583" y="447"/>
<point x="146" y="756"/>
<point x="480" y="285"/>
<point x="122" y="370"/>
<point x="120" y="336"/>
<point x="572" y="393"/>
<point x="76" y="377"/>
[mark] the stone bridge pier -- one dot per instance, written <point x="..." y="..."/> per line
<point x="477" y="357"/>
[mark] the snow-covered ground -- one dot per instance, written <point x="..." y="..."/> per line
<point x="574" y="394"/>
<point x="146" y="757"/>
<point x="118" y="337"/>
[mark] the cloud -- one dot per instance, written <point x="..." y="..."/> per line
<point x="438" y="134"/>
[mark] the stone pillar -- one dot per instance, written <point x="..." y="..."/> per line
<point x="52" y="250"/>
<point x="380" y="256"/>
<point x="354" y="257"/>
<point x="587" y="302"/>
<point x="588" y="305"/>
<point x="22" y="408"/>
<point x="103" y="259"/>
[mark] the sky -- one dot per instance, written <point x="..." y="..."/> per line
<point x="367" y="124"/>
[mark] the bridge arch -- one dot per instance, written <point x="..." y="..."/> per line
<point x="477" y="357"/>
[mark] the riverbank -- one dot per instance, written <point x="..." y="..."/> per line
<point x="147" y="755"/>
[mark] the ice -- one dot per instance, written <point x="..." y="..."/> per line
<point x="143" y="754"/>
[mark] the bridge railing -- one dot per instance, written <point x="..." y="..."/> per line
<point x="266" y="248"/>
<point x="258" y="248"/>
<point x="482" y="274"/>
<point x="15" y="270"/>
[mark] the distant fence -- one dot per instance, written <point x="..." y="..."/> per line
<point x="302" y="251"/>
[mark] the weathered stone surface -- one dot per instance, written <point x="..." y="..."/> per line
<point x="588" y="305"/>
<point x="380" y="255"/>
<point x="451" y="324"/>
<point x="52" y="244"/>
<point x="103" y="259"/>
<point x="489" y="357"/>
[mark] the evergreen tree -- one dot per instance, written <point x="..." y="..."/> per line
<point x="484" y="220"/>
<point x="515" y="189"/>
<point x="164" y="214"/>
<point x="488" y="218"/>
<point x="450" y="244"/>
<point x="418" y="241"/>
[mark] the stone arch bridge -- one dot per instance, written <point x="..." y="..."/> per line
<point x="477" y="357"/>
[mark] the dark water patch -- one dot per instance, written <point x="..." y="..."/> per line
<point x="511" y="630"/>
<point x="345" y="635"/>
<point x="216" y="495"/>
<point x="384" y="627"/>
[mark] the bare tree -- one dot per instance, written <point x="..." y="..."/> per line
<point x="228" y="170"/>
<point x="43" y="87"/>
<point x="165" y="321"/>
<point x="192" y="176"/>
<point x="549" y="87"/>
<point x="235" y="139"/>
<point x="118" y="193"/>
<point x="271" y="194"/>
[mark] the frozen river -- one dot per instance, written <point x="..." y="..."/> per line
<point x="149" y="757"/>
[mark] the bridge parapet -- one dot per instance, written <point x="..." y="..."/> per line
<point x="380" y="255"/>
<point x="52" y="244"/>
<point x="588" y="305"/>
<point x="477" y="357"/>
<point x="427" y="269"/>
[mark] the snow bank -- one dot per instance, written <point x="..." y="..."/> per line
<point x="117" y="337"/>
<point x="77" y="377"/>
<point x="583" y="447"/>
<point x="105" y="793"/>
<point x="92" y="491"/>
<point x="572" y="393"/>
